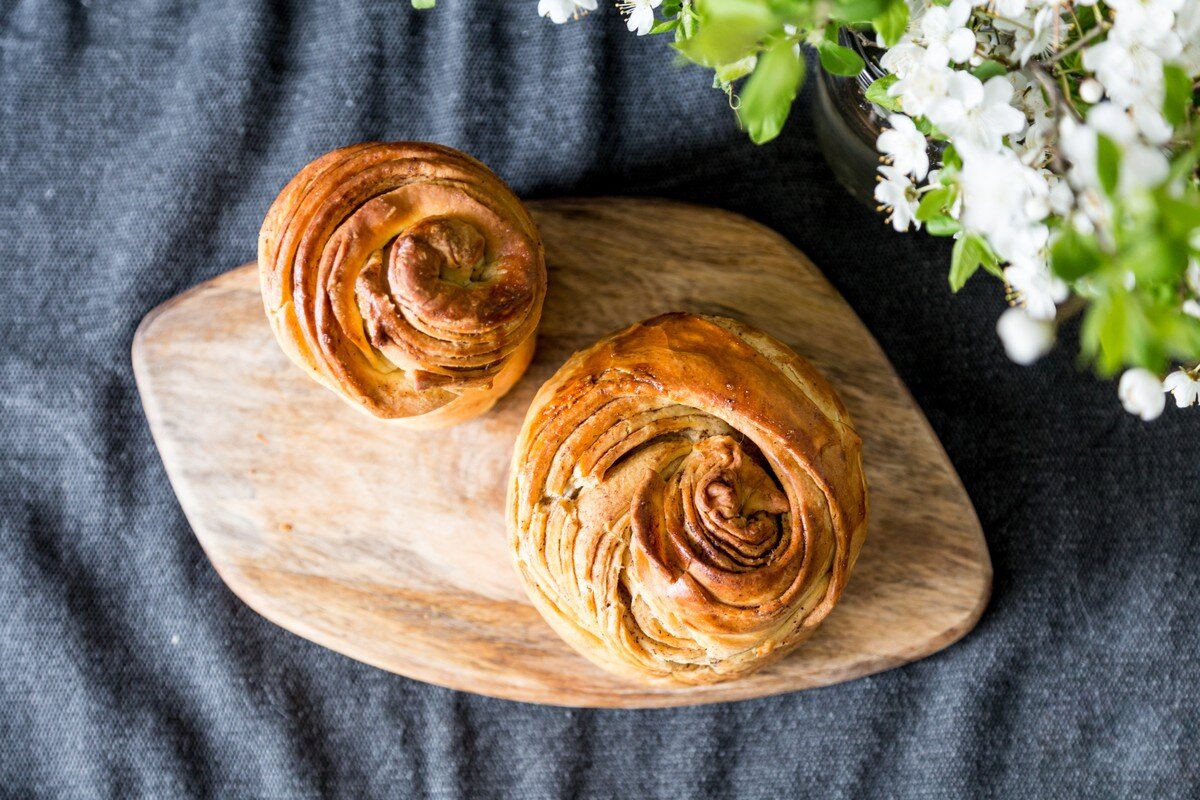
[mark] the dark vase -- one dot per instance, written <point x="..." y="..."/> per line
<point x="847" y="124"/>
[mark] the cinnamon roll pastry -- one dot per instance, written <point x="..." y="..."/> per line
<point x="406" y="277"/>
<point x="687" y="500"/>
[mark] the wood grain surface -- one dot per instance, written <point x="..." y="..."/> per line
<point x="388" y="545"/>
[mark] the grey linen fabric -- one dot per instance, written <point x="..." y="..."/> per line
<point x="140" y="145"/>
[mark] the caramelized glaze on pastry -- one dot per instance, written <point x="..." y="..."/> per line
<point x="406" y="277"/>
<point x="687" y="500"/>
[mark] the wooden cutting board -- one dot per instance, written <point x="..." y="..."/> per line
<point x="388" y="545"/>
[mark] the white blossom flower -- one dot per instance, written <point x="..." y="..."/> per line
<point x="1006" y="201"/>
<point x="1029" y="95"/>
<point x="1009" y="8"/>
<point x="1025" y="339"/>
<point x="916" y="13"/>
<point x="946" y="35"/>
<point x="1187" y="28"/>
<point x="903" y="58"/>
<point x="1141" y="392"/>
<point x="1191" y="307"/>
<point x="921" y="88"/>
<point x="1061" y="199"/>
<point x="1141" y="166"/>
<point x="1113" y="122"/>
<point x="1033" y="144"/>
<point x="1183" y="387"/>
<point x="1148" y="22"/>
<point x="977" y="113"/>
<point x="559" y="11"/>
<point x="991" y="196"/>
<point x="1151" y="123"/>
<point x="1040" y="291"/>
<point x="1081" y="221"/>
<point x="1129" y="69"/>
<point x="988" y="44"/>
<point x="1192" y="276"/>
<point x="1093" y="212"/>
<point x="897" y="193"/>
<point x="640" y="14"/>
<point x="1078" y="143"/>
<point x="1091" y="91"/>
<point x="906" y="146"/>
<point x="1035" y="42"/>
<point x="1000" y="191"/>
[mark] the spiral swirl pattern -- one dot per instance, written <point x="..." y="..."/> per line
<point x="406" y="277"/>
<point x="687" y="500"/>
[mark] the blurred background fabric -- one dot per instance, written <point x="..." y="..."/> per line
<point x="140" y="145"/>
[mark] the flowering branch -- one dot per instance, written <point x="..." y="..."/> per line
<point x="1088" y="201"/>
<point x="1054" y="140"/>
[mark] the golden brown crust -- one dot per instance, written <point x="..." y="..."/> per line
<point x="406" y="277"/>
<point x="687" y="500"/>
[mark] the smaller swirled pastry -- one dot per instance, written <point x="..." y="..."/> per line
<point x="406" y="277"/>
<point x="687" y="500"/>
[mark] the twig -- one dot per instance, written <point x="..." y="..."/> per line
<point x="983" y="12"/>
<point x="1081" y="42"/>
<point x="1072" y="306"/>
<point x="1058" y="101"/>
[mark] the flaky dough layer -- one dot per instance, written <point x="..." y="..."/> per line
<point x="406" y="277"/>
<point x="687" y="500"/>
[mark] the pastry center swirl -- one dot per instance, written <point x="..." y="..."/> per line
<point x="717" y="518"/>
<point x="722" y="508"/>
<point x="445" y="298"/>
<point x="439" y="269"/>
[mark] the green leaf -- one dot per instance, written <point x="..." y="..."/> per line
<point x="1108" y="163"/>
<point x="1177" y="97"/>
<point x="729" y="30"/>
<point x="839" y="60"/>
<point x="1119" y="330"/>
<point x="950" y="158"/>
<point x="1180" y="215"/>
<point x="664" y="26"/>
<point x="769" y="92"/>
<point x="989" y="69"/>
<point x="877" y="93"/>
<point x="1074" y="255"/>
<point x="933" y="203"/>
<point x="729" y="73"/>
<point x="1102" y="335"/>
<point x="994" y="269"/>
<point x="890" y="24"/>
<point x="421" y="4"/>
<point x="925" y="126"/>
<point x="1143" y="347"/>
<point x="944" y="225"/>
<point x="1184" y="163"/>
<point x="1152" y="259"/>
<point x="858" y="11"/>
<point x="970" y="253"/>
<point x="671" y="8"/>
<point x="1181" y="336"/>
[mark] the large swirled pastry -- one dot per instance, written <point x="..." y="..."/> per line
<point x="687" y="500"/>
<point x="406" y="277"/>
